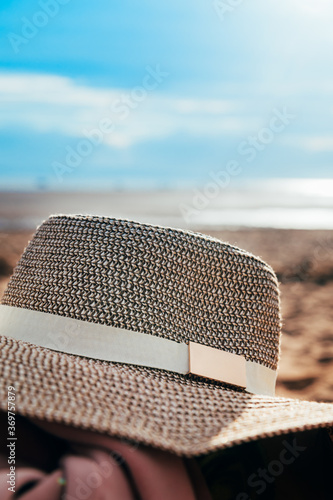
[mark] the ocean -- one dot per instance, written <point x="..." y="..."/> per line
<point x="274" y="203"/>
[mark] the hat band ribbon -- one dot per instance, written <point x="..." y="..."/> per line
<point x="107" y="343"/>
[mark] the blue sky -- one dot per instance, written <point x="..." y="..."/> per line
<point x="142" y="93"/>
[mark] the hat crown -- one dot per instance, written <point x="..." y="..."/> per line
<point x="164" y="282"/>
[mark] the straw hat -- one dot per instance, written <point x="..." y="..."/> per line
<point x="166" y="337"/>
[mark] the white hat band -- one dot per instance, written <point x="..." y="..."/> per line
<point x="93" y="340"/>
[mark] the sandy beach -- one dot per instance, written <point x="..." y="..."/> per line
<point x="303" y="261"/>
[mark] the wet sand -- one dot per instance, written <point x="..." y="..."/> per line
<point x="303" y="261"/>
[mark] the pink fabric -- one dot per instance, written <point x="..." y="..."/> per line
<point x="98" y="467"/>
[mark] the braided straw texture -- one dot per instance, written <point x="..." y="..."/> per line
<point x="184" y="415"/>
<point x="163" y="282"/>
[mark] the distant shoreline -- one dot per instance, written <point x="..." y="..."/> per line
<point x="191" y="209"/>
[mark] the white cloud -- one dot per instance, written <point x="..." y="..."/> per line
<point x="319" y="143"/>
<point x="52" y="103"/>
<point x="319" y="7"/>
<point x="313" y="143"/>
<point x="207" y="106"/>
<point x="48" y="89"/>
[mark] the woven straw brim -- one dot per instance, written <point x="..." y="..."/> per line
<point x="187" y="416"/>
